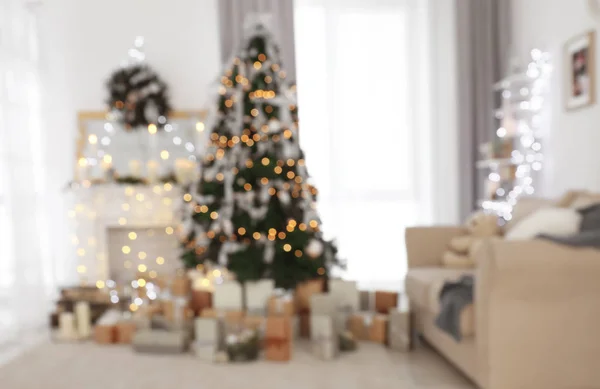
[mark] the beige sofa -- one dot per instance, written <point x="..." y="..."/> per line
<point x="536" y="316"/>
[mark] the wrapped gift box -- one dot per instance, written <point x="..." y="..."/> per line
<point x="227" y="296"/>
<point x="345" y="293"/>
<point x="207" y="330"/>
<point x="358" y="325"/>
<point x="125" y="331"/>
<point x="323" y="304"/>
<point x="280" y="306"/>
<point x="256" y="323"/>
<point x="200" y="300"/>
<point x="384" y="301"/>
<point x="378" y="329"/>
<point x="258" y="293"/>
<point x="158" y="341"/>
<point x="181" y="286"/>
<point x="399" y="330"/>
<point x="304" y="324"/>
<point x="105" y="331"/>
<point x="304" y="291"/>
<point x="176" y="310"/>
<point x="278" y="338"/>
<point x="366" y="300"/>
<point x="324" y="338"/>
<point x="205" y="351"/>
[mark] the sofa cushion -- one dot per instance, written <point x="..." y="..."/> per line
<point x="423" y="286"/>
<point x="550" y="221"/>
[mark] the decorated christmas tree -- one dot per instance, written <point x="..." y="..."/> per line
<point x="254" y="208"/>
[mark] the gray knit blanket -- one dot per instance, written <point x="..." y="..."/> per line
<point x="454" y="297"/>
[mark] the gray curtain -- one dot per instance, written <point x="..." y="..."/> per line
<point x="483" y="45"/>
<point x="232" y="14"/>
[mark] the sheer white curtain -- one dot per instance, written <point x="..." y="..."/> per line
<point x="25" y="263"/>
<point x="362" y="68"/>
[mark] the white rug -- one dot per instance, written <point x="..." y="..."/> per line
<point x="89" y="366"/>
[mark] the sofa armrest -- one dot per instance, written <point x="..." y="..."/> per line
<point x="537" y="309"/>
<point x="425" y="245"/>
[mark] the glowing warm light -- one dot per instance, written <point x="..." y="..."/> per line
<point x="321" y="271"/>
<point x="81" y="252"/>
<point x="205" y="282"/>
<point x="265" y="161"/>
<point x="272" y="191"/>
<point x="152" y="129"/>
<point x="160" y="260"/>
<point x="141" y="282"/>
<point x="302" y="227"/>
<point x="287" y="134"/>
<point x="100" y="284"/>
<point x="125" y="207"/>
<point x="281" y="235"/>
<point x="291" y="162"/>
<point x="254" y="112"/>
<point x="133" y="307"/>
<point x="264" y="180"/>
<point x="220" y="176"/>
<point x="287" y="247"/>
<point x="82" y="162"/>
<point x="291" y="175"/>
<point x="250" y="142"/>
<point x="257" y="65"/>
<point x="247" y="187"/>
<point x="168" y="187"/>
<point x="167" y="201"/>
<point x="164" y="154"/>
<point x="203" y="209"/>
<point x="214" y="215"/>
<point x="142" y="255"/>
<point x="126" y="249"/>
<point x="278" y="170"/>
<point x="169" y="230"/>
<point x="298" y="253"/>
<point x="268" y="79"/>
<point x="81" y="269"/>
<point x="210" y="234"/>
<point x="93" y="139"/>
<point x="187" y="197"/>
<point x="301" y="162"/>
<point x="132" y="235"/>
<point x="199" y="126"/>
<point x="241" y="231"/>
<point x="313" y="224"/>
<point x="107" y="158"/>
<point x="153" y="274"/>
<point x="142" y="268"/>
<point x="256" y="235"/>
<point x="290" y="228"/>
<point x="216" y="273"/>
<point x="272" y="231"/>
<point x="139" y="197"/>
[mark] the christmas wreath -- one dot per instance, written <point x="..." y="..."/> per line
<point x="138" y="97"/>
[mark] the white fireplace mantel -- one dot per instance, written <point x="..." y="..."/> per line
<point x="99" y="208"/>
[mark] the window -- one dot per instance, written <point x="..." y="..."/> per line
<point x="362" y="81"/>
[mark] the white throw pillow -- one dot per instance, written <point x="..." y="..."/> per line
<point x="552" y="221"/>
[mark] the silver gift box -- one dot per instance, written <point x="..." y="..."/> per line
<point x="325" y="348"/>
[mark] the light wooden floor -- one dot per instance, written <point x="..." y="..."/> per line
<point x="89" y="366"/>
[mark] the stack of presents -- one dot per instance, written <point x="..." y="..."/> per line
<point x="216" y="327"/>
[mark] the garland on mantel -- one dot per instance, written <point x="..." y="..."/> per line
<point x="138" y="97"/>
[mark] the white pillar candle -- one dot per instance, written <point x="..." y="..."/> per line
<point x="152" y="170"/>
<point x="135" y="168"/>
<point x="84" y="319"/>
<point x="66" y="325"/>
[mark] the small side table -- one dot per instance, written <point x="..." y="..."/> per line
<point x="399" y="328"/>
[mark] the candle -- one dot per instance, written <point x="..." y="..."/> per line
<point x="135" y="168"/>
<point x="152" y="170"/>
<point x="66" y="325"/>
<point x="84" y="320"/>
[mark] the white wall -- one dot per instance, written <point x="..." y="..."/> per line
<point x="81" y="42"/>
<point x="573" y="157"/>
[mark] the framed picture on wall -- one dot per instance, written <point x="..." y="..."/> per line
<point x="580" y="56"/>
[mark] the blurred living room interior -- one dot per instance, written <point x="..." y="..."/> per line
<point x="299" y="193"/>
